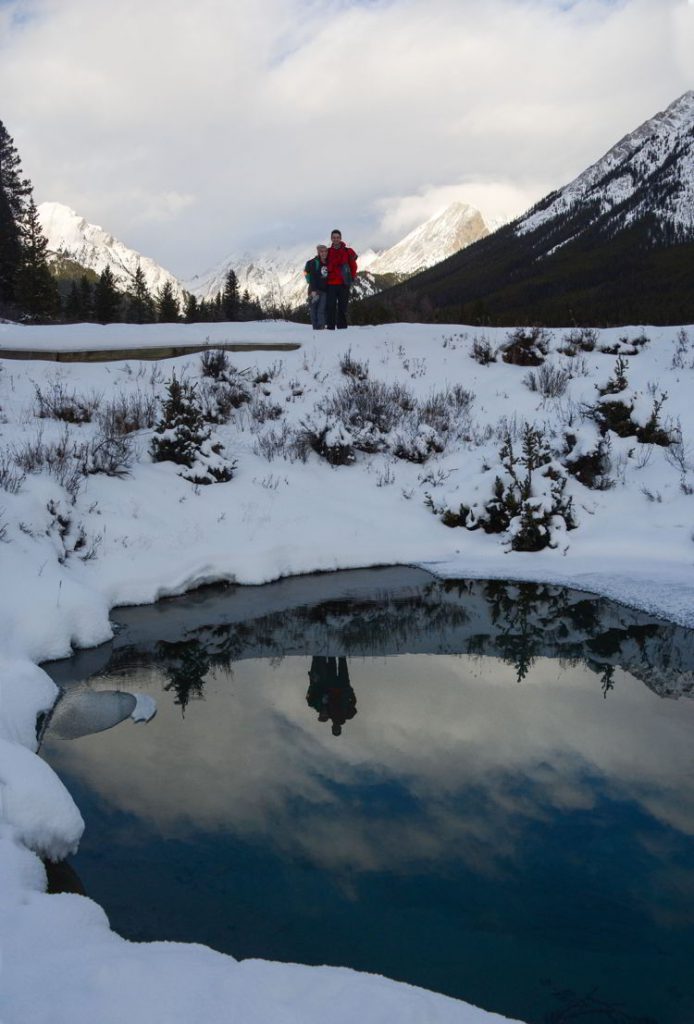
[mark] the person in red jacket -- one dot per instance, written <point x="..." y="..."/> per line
<point x="342" y="271"/>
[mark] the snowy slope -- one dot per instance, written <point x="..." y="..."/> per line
<point x="458" y="226"/>
<point x="274" y="277"/>
<point x="651" y="168"/>
<point x="93" y="248"/>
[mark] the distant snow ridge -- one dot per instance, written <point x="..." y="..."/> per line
<point x="651" y="169"/>
<point x="95" y="249"/>
<point x="444" y="234"/>
<point x="276" y="277"/>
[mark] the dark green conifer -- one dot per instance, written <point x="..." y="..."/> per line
<point x="167" y="305"/>
<point x="107" y="298"/>
<point x="36" y="292"/>
<point x="15" y="191"/>
<point x="230" y="297"/>
<point x="140" y="308"/>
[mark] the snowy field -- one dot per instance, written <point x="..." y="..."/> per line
<point x="354" y="450"/>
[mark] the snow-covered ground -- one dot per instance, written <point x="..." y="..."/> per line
<point x="73" y="546"/>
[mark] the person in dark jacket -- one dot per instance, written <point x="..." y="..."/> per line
<point x="330" y="692"/>
<point x="342" y="271"/>
<point x="316" y="274"/>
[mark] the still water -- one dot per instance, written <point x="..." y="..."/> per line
<point x="485" y="789"/>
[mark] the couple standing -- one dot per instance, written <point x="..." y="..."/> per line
<point x="330" y="275"/>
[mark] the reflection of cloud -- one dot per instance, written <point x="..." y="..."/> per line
<point x="475" y="756"/>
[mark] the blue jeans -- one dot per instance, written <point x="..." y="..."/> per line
<point x="316" y="305"/>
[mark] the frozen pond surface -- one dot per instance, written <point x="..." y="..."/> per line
<point x="485" y="789"/>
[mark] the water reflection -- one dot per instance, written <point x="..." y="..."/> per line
<point x="330" y="693"/>
<point x="488" y="825"/>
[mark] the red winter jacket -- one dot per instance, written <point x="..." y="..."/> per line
<point x="342" y="264"/>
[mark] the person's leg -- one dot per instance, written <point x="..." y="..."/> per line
<point x="331" y="306"/>
<point x="313" y="310"/>
<point x="320" y="310"/>
<point x="342" y="300"/>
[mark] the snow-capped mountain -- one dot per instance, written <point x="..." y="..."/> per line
<point x="651" y="170"/>
<point x="93" y="248"/>
<point x="615" y="245"/>
<point x="276" y="277"/>
<point x="447" y="232"/>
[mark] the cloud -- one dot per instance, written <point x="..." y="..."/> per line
<point x="284" y="117"/>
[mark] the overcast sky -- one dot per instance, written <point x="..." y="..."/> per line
<point x="191" y="130"/>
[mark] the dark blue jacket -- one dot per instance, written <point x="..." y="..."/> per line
<point x="317" y="281"/>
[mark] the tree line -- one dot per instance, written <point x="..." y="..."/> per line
<point x="39" y="287"/>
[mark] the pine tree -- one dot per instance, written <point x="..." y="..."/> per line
<point x="140" y="308"/>
<point x="183" y="437"/>
<point x="86" y="307"/>
<point x="15" y="191"/>
<point x="107" y="299"/>
<point x="230" y="297"/>
<point x="36" y="292"/>
<point x="191" y="312"/>
<point x="72" y="307"/>
<point x="167" y="305"/>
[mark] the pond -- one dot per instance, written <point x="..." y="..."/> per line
<point x="481" y="788"/>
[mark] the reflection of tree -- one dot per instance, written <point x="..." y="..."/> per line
<point x="185" y="664"/>
<point x="590" y="1007"/>
<point x="330" y="692"/>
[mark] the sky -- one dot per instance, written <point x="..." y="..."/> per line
<point x="193" y="131"/>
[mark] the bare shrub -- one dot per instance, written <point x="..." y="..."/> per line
<point x="352" y="367"/>
<point x="275" y="443"/>
<point x="368" y="409"/>
<point x="261" y="411"/>
<point x="580" y="339"/>
<point x="526" y="346"/>
<point x="55" y="457"/>
<point x="57" y="403"/>
<point x="626" y="346"/>
<point x="215" y="363"/>
<point x="482" y="351"/>
<point x="125" y="414"/>
<point x="11" y="479"/>
<point x="110" y="454"/>
<point x="549" y="380"/>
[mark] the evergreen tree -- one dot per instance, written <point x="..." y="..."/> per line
<point x="72" y="307"/>
<point x="230" y="297"/>
<point x="140" y="308"/>
<point x="183" y="437"/>
<point x="191" y="312"/>
<point x="36" y="292"/>
<point x="107" y="298"/>
<point x="15" y="191"/>
<point x="167" y="305"/>
<point x="86" y="308"/>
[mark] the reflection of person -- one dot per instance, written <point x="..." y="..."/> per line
<point x="330" y="692"/>
<point x="316" y="274"/>
<point x="342" y="270"/>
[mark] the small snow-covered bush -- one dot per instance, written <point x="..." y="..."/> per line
<point x="352" y="367"/>
<point x="57" y="403"/>
<point x="526" y="346"/>
<point x="214" y="363"/>
<point x="588" y="458"/>
<point x="220" y="398"/>
<point x="549" y="380"/>
<point x="482" y="351"/>
<point x="109" y="454"/>
<point x="182" y="437"/>
<point x="70" y="539"/>
<point x="527" y="501"/>
<point x="368" y="410"/>
<point x="125" y="414"/>
<point x="275" y="443"/>
<point x="444" y="410"/>
<point x="418" y="444"/>
<point x="625" y="346"/>
<point x="333" y="442"/>
<point x="580" y="339"/>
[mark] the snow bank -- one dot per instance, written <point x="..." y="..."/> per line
<point x="72" y="553"/>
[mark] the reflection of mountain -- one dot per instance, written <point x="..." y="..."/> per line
<point x="403" y="612"/>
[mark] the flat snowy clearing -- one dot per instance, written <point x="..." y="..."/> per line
<point x="77" y="541"/>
